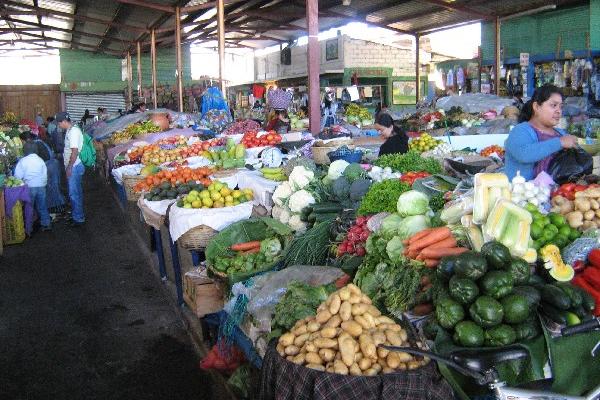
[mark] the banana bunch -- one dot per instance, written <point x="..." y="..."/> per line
<point x="274" y="174"/>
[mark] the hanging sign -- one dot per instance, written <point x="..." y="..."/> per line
<point x="524" y="59"/>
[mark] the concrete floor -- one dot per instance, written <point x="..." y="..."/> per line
<point x="82" y="316"/>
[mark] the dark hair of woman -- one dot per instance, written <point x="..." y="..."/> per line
<point x="540" y="96"/>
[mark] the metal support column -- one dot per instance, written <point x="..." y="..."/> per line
<point x="221" y="40"/>
<point x="160" y="254"/>
<point x="129" y="82"/>
<point x="418" y="67"/>
<point x="178" y="54"/>
<point x="153" y="62"/>
<point x="176" y="270"/>
<point x="314" y="51"/>
<point x="139" y="69"/>
<point x="497" y="60"/>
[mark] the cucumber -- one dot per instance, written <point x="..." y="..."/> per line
<point x="587" y="300"/>
<point x="556" y="297"/>
<point x="531" y="294"/>
<point x="556" y="315"/>
<point x="573" y="293"/>
<point x="324" y="208"/>
<point x="325" y="216"/>
<point x="312" y="217"/>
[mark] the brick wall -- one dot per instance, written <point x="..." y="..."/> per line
<point x="538" y="34"/>
<point x="353" y="53"/>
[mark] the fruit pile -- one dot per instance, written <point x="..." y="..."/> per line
<point x="410" y="177"/>
<point x="170" y="191"/>
<point x="425" y="142"/>
<point x="274" y="174"/>
<point x="134" y="130"/>
<point x="354" y="242"/>
<point x="550" y="229"/>
<point x="11" y="181"/>
<point x="155" y="154"/>
<point x="179" y="175"/>
<point x="232" y="156"/>
<point x="254" y="139"/>
<point x="177" y="141"/>
<point x="216" y="195"/>
<point x="241" y="127"/>
<point x="488" y="151"/>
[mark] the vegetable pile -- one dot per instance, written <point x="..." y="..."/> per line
<point x="382" y="196"/>
<point x="249" y="256"/>
<point x="344" y="336"/>
<point x="423" y="143"/>
<point x="216" y="195"/>
<point x="260" y="139"/>
<point x="429" y="245"/>
<point x="241" y="127"/>
<point x="177" y="176"/>
<point x="354" y="242"/>
<point x="411" y="161"/>
<point x="299" y="301"/>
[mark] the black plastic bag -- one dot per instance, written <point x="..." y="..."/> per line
<point x="570" y="164"/>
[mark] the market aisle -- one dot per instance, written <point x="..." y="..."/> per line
<point x="83" y="317"/>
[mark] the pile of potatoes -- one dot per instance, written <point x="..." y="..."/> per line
<point x="344" y="336"/>
<point x="584" y="212"/>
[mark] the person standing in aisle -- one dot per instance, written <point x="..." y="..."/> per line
<point x="32" y="170"/>
<point x="73" y="165"/>
<point x="396" y="141"/>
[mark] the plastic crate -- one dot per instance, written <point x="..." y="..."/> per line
<point x="13" y="229"/>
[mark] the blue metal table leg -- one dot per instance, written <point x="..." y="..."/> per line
<point x="122" y="195"/>
<point x="195" y="257"/>
<point x="159" y="254"/>
<point x="176" y="271"/>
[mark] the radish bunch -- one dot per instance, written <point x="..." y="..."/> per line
<point x="354" y="242"/>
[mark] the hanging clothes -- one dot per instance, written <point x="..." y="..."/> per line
<point x="450" y="79"/>
<point x="258" y="91"/>
<point x="460" y="77"/>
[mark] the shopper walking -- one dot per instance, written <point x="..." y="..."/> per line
<point x="73" y="165"/>
<point x="31" y="169"/>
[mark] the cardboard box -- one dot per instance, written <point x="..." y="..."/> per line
<point x="202" y="294"/>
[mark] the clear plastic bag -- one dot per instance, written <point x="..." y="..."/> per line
<point x="454" y="210"/>
<point x="579" y="249"/>
<point x="269" y="288"/>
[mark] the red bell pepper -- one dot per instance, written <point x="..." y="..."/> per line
<point x="594" y="258"/>
<point x="592" y="276"/>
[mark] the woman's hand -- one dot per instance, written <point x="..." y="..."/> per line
<point x="568" y="141"/>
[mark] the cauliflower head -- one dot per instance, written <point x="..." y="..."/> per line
<point x="281" y="213"/>
<point x="300" y="177"/>
<point x="296" y="224"/>
<point x="299" y="200"/>
<point x="282" y="193"/>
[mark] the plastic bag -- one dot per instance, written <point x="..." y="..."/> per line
<point x="579" y="249"/>
<point x="570" y="164"/>
<point x="454" y="210"/>
<point x="269" y="288"/>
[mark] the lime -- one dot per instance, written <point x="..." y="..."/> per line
<point x="536" y="230"/>
<point x="549" y="234"/>
<point x="537" y="244"/>
<point x="546" y="221"/>
<point x="564" y="230"/>
<point x="536" y="215"/>
<point x="531" y="208"/>
<point x="557" y="219"/>
<point x="574" y="234"/>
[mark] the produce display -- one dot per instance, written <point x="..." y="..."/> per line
<point x="583" y="212"/>
<point x="170" y="191"/>
<point x="133" y="131"/>
<point x="424" y="142"/>
<point x="274" y="174"/>
<point x="378" y="174"/>
<point x="430" y="245"/>
<point x="410" y="177"/>
<point x="382" y="196"/>
<point x="354" y="243"/>
<point x="11" y="181"/>
<point x="552" y="228"/>
<point x="343" y="338"/>
<point x="160" y="153"/>
<point x="232" y="156"/>
<point x="179" y="175"/>
<point x="411" y="161"/>
<point x="241" y="127"/>
<point x="249" y="256"/>
<point x="358" y="115"/>
<point x="298" y="121"/>
<point x="523" y="192"/>
<point x="216" y="195"/>
<point x="260" y="139"/>
<point x="493" y="149"/>
<point x="299" y="301"/>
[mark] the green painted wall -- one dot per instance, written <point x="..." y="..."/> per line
<point x="84" y="71"/>
<point x="595" y="24"/>
<point x="88" y="72"/>
<point x="539" y="33"/>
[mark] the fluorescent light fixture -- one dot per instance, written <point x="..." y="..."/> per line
<point x="529" y="12"/>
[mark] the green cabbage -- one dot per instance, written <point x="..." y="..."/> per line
<point x="411" y="225"/>
<point x="394" y="249"/>
<point x="390" y="225"/>
<point x="412" y="203"/>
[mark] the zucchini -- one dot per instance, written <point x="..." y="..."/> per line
<point x="324" y="208"/>
<point x="587" y="300"/>
<point x="556" y="315"/>
<point x="556" y="297"/>
<point x="530" y="293"/>
<point x="325" y="216"/>
<point x="573" y="293"/>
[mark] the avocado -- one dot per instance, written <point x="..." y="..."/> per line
<point x="496" y="254"/>
<point x="468" y="334"/>
<point x="516" y="308"/>
<point x="165" y="186"/>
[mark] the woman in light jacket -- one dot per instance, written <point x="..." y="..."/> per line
<point x="532" y="144"/>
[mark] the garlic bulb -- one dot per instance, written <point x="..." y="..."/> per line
<point x="518" y="178"/>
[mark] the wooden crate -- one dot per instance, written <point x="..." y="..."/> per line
<point x="202" y="294"/>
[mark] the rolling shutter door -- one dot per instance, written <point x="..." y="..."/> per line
<point x="77" y="103"/>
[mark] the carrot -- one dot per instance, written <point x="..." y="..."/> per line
<point x="419" y="235"/>
<point x="412" y="254"/>
<point x="432" y="237"/>
<point x="431" y="262"/>
<point x="251" y="251"/>
<point x="440" y="252"/>
<point x="245" y="246"/>
<point x="446" y="243"/>
<point x="420" y="257"/>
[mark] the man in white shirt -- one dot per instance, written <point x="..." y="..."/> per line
<point x="32" y="170"/>
<point x="73" y="165"/>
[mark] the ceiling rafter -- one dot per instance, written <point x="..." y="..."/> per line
<point x="109" y="28"/>
<point x="75" y="43"/>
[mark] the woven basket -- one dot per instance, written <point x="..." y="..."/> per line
<point x="320" y="154"/>
<point x="129" y="181"/>
<point x="197" y="238"/>
<point x="13" y="229"/>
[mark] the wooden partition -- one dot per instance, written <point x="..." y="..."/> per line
<point x="27" y="100"/>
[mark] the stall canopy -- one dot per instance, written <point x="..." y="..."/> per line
<point x="116" y="26"/>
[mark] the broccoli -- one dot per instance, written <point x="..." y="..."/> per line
<point x="359" y="188"/>
<point x="341" y="188"/>
<point x="354" y="172"/>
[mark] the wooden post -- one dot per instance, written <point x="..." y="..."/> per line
<point x="153" y="61"/>
<point x="498" y="45"/>
<point x="314" y="61"/>
<point x="221" y="40"/>
<point x="139" y="69"/>
<point x="129" y="82"/>
<point x="418" y="67"/>
<point x="178" y="55"/>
